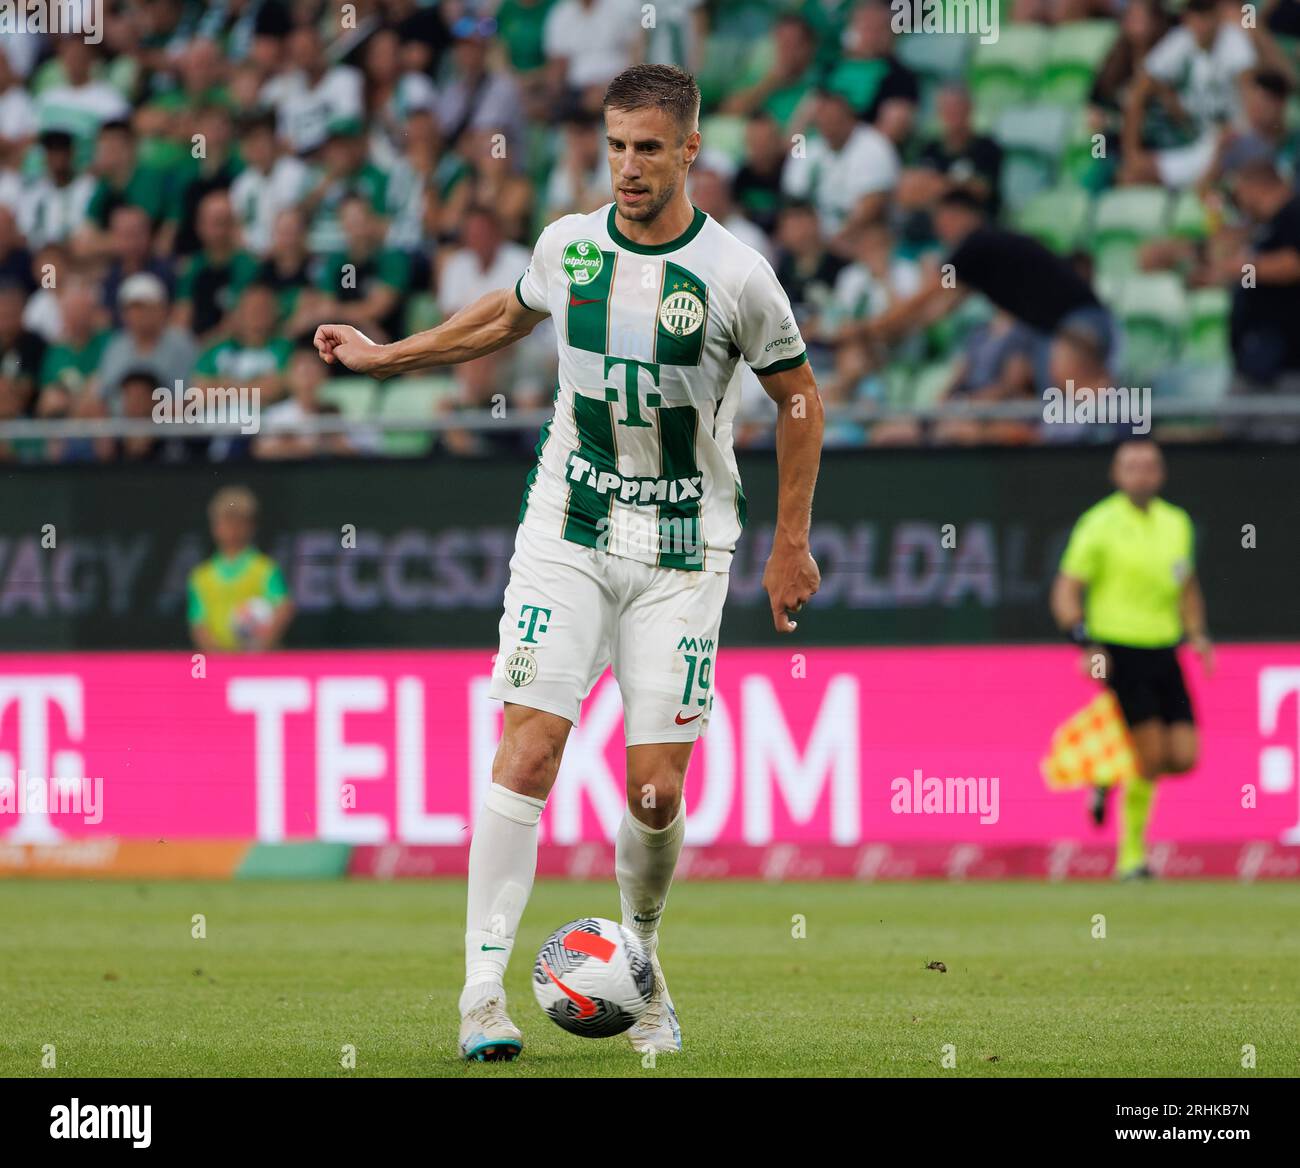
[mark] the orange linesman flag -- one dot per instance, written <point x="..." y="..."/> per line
<point x="1091" y="748"/>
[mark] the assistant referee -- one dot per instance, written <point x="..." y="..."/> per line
<point x="1127" y="588"/>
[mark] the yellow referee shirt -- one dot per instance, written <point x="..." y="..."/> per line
<point x="1134" y="564"/>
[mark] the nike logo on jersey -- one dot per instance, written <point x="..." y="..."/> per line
<point x="683" y="721"/>
<point x="487" y="948"/>
<point x="574" y="302"/>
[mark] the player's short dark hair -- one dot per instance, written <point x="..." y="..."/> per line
<point x="663" y="87"/>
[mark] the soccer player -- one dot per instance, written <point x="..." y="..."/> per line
<point x="629" y="518"/>
<point x="1132" y="555"/>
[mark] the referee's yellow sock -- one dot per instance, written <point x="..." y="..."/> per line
<point x="1136" y="802"/>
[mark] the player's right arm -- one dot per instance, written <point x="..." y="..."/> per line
<point x="495" y="320"/>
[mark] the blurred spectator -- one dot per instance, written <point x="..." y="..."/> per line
<point x="72" y="360"/>
<point x="17" y="115"/>
<point x="1265" y="134"/>
<point x="15" y="259"/>
<point x="313" y="93"/>
<point x="1078" y="335"/>
<point x="477" y="96"/>
<point x="365" y="283"/>
<point x="122" y="181"/>
<point x="579" y="181"/>
<point x="807" y="270"/>
<point x="78" y="101"/>
<point x="137" y="404"/>
<point x="281" y="435"/>
<point x="789" y="82"/>
<point x="341" y="169"/>
<point x="679" y="35"/>
<point x="847" y="171"/>
<point x="711" y="193"/>
<point x="238" y="599"/>
<point x="958" y="157"/>
<point x="21" y="350"/>
<point x="268" y="184"/>
<point x="392" y="93"/>
<point x="253" y="355"/>
<point x="869" y="74"/>
<point x="214" y="170"/>
<point x="55" y="205"/>
<point x="1265" y="283"/>
<point x="130" y="240"/>
<point x="588" y="42"/>
<point x="213" y="277"/>
<point x="997" y="364"/>
<point x="292" y="273"/>
<point x="757" y="184"/>
<point x="483" y="262"/>
<point x="146" y="340"/>
<point x="1194" y="71"/>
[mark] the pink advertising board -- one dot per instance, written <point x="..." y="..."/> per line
<point x="814" y="747"/>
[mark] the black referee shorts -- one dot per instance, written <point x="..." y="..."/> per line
<point x="1148" y="683"/>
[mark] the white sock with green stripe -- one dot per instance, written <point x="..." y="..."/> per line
<point x="644" y="861"/>
<point x="502" y="864"/>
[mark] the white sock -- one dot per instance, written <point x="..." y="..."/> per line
<point x="502" y="864"/>
<point x="644" y="860"/>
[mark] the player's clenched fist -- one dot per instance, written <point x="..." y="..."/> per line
<point x="350" y="347"/>
<point x="791" y="578"/>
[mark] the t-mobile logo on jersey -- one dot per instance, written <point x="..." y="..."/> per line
<point x="1278" y="769"/>
<point x="533" y="620"/>
<point x="32" y="760"/>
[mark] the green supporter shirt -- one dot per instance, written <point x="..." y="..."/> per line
<point x="221" y="587"/>
<point x="1134" y="564"/>
<point x="146" y="188"/>
<point x="70" y="366"/>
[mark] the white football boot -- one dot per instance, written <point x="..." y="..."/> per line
<point x="487" y="1034"/>
<point x="657" y="1030"/>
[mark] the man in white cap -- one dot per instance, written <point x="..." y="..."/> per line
<point x="146" y="340"/>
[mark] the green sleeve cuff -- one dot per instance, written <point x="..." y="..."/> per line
<point x="784" y="364"/>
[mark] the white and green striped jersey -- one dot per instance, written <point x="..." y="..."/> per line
<point x="637" y="460"/>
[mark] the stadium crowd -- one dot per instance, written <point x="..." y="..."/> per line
<point x="187" y="199"/>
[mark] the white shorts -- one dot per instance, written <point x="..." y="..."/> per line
<point x="1184" y="166"/>
<point x="570" y="611"/>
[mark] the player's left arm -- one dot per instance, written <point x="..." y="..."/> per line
<point x="1192" y="610"/>
<point x="791" y="576"/>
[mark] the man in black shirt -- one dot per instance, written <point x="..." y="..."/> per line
<point x="757" y="185"/>
<point x="1022" y="277"/>
<point x="1265" y="323"/>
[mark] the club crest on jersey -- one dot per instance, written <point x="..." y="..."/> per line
<point x="681" y="313"/>
<point x="582" y="262"/>
<point x="520" y="667"/>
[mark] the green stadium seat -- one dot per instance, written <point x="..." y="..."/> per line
<point x="1075" y="52"/>
<point x="724" y="133"/>
<point x="1189" y="218"/>
<point x="930" y="382"/>
<point x="1153" y="308"/>
<point x="1125" y="217"/>
<point x="1032" y="140"/>
<point x="1205" y="341"/>
<point x="1057" y="217"/>
<point x="411" y="399"/>
<point x="936" y="56"/>
<point x="354" y="396"/>
<point x="1005" y="72"/>
<point x="422" y="312"/>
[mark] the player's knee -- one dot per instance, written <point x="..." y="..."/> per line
<point x="654" y="797"/>
<point x="528" y="764"/>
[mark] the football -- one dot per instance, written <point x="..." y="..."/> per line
<point x="593" y="977"/>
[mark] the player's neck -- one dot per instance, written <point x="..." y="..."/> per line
<point x="670" y="223"/>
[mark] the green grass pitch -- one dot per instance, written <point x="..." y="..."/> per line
<point x="291" y="974"/>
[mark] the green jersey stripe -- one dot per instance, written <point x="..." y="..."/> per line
<point x="586" y="311"/>
<point x="683" y="317"/>
<point x="680" y="536"/>
<point x="587" y="510"/>
<point x="537" y="450"/>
